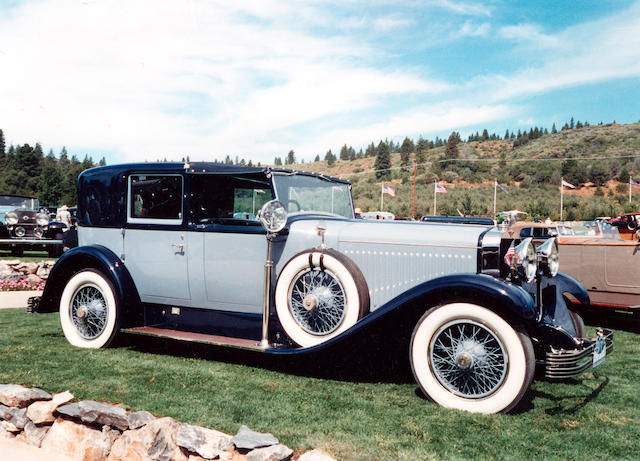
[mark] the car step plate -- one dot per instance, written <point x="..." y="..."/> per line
<point x="195" y="337"/>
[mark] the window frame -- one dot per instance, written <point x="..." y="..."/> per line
<point x="161" y="221"/>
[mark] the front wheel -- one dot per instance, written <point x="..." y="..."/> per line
<point x="88" y="310"/>
<point x="467" y="357"/>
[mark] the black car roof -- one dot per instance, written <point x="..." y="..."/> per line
<point x="202" y="167"/>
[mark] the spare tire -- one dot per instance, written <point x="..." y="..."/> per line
<point x="319" y="294"/>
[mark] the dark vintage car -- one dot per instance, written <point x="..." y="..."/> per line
<point x="627" y="225"/>
<point x="274" y="261"/>
<point x="24" y="225"/>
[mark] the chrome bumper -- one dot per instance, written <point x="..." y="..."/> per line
<point x="27" y="241"/>
<point x="562" y="364"/>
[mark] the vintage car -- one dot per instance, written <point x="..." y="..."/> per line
<point x="24" y="225"/>
<point x="627" y="224"/>
<point x="173" y="250"/>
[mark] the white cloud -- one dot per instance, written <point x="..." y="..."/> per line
<point x="529" y="33"/>
<point x="387" y="23"/>
<point x="470" y="29"/>
<point x="463" y="8"/>
<point x="192" y="78"/>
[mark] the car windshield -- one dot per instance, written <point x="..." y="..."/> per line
<point x="301" y="192"/>
<point x="13" y="201"/>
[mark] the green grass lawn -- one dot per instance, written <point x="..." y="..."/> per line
<point x="596" y="417"/>
<point x="29" y="256"/>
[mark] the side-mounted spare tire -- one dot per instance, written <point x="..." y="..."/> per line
<point x="319" y="294"/>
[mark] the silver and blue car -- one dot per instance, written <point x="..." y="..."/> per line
<point x="275" y="261"/>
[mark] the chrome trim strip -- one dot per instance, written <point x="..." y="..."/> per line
<point x="412" y="244"/>
<point x="31" y="241"/>
<point x="562" y="364"/>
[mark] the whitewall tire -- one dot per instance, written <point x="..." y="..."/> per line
<point x="467" y="357"/>
<point x="320" y="294"/>
<point x="88" y="310"/>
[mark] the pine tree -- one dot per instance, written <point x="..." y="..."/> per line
<point x="554" y="130"/>
<point x="291" y="158"/>
<point x="383" y="160"/>
<point x="485" y="135"/>
<point x="277" y="161"/>
<point x="317" y="159"/>
<point x="2" y="144"/>
<point x="421" y="154"/>
<point x="330" y="158"/>
<point x="344" y="153"/>
<point x="451" y="151"/>
<point x="506" y="135"/>
<point x="371" y="150"/>
<point x="405" y="153"/>
<point x="571" y="125"/>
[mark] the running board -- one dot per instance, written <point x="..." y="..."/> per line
<point x="241" y="343"/>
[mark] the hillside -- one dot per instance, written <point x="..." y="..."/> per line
<point x="598" y="159"/>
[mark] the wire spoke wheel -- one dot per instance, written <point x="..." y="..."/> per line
<point x="89" y="311"/>
<point x="468" y="359"/>
<point x="317" y="302"/>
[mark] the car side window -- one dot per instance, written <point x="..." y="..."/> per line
<point x="155" y="199"/>
<point x="232" y="200"/>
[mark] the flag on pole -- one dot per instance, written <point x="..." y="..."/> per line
<point x="632" y="182"/>
<point x="508" y="257"/>
<point x="388" y="190"/>
<point x="569" y="185"/>
<point x="503" y="189"/>
<point x="440" y="189"/>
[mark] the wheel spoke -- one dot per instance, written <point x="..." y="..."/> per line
<point x="468" y="359"/>
<point x="89" y="312"/>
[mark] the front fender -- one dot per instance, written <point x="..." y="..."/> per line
<point x="499" y="296"/>
<point x="91" y="257"/>
<point x="567" y="284"/>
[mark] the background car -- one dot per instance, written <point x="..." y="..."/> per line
<point x="25" y="226"/>
<point x="172" y="250"/>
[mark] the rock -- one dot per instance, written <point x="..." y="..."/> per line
<point x="139" y="419"/>
<point x="43" y="271"/>
<point x="92" y="412"/>
<point x="27" y="268"/>
<point x="315" y="455"/>
<point x="205" y="442"/>
<point x="76" y="441"/>
<point x="18" y="396"/>
<point x="7" y="426"/>
<point x="33" y="434"/>
<point x="272" y="453"/>
<point x="42" y="412"/>
<point x="5" y="434"/>
<point x="8" y="274"/>
<point x="11" y="262"/>
<point x="247" y="439"/>
<point x="109" y="436"/>
<point x="33" y="278"/>
<point x="156" y="440"/>
<point x="13" y="415"/>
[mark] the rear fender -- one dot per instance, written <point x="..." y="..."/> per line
<point x="99" y="258"/>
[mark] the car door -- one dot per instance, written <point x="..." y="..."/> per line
<point x="234" y="245"/>
<point x="155" y="240"/>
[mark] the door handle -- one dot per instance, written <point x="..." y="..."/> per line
<point x="178" y="246"/>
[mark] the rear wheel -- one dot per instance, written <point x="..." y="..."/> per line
<point x="88" y="310"/>
<point x="467" y="357"/>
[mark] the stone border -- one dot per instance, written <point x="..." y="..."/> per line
<point x="10" y="299"/>
<point x="96" y="431"/>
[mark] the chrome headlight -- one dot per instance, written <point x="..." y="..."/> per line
<point x="20" y="231"/>
<point x="42" y="219"/>
<point x="11" y="218"/>
<point x="38" y="232"/>
<point x="525" y="261"/>
<point x="548" y="257"/>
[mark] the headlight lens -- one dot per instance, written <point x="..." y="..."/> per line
<point x="525" y="259"/>
<point x="11" y="218"/>
<point x="20" y="231"/>
<point x="548" y="257"/>
<point x="42" y="219"/>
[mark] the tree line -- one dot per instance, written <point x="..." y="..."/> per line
<point x="26" y="170"/>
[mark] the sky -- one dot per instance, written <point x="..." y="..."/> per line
<point x="145" y="80"/>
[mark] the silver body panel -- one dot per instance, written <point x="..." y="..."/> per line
<point x="224" y="270"/>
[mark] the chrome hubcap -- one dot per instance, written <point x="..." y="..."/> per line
<point x="317" y="302"/>
<point x="468" y="359"/>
